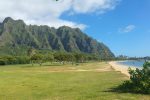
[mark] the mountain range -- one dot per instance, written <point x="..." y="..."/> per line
<point x="17" y="37"/>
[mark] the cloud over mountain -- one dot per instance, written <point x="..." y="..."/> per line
<point x="49" y="12"/>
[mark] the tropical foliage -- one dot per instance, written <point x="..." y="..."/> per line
<point x="139" y="80"/>
<point x="40" y="56"/>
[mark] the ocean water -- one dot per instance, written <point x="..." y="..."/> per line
<point x="132" y="63"/>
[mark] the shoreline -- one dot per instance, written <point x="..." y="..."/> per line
<point x="118" y="67"/>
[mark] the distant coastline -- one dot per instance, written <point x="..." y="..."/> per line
<point x="123" y="66"/>
<point x="132" y="63"/>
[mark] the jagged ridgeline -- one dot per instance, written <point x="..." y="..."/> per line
<point x="16" y="38"/>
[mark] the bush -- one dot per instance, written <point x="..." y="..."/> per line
<point x="23" y="60"/>
<point x="8" y="60"/>
<point x="2" y="61"/>
<point x="139" y="80"/>
<point x="37" y="58"/>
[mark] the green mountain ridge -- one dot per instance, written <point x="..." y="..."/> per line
<point x="16" y="34"/>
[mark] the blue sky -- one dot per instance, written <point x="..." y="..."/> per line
<point x="111" y="27"/>
<point x="123" y="25"/>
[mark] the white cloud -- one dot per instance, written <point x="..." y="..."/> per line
<point x="49" y="12"/>
<point x="89" y="6"/>
<point x="127" y="29"/>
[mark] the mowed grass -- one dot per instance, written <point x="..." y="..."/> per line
<point x="89" y="81"/>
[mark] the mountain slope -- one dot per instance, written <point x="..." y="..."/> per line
<point x="16" y="34"/>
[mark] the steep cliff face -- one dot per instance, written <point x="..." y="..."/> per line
<point x="16" y="34"/>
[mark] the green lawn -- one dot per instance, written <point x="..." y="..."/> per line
<point x="89" y="81"/>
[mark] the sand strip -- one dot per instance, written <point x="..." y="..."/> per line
<point x="118" y="67"/>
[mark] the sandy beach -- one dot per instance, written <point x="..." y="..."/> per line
<point x="118" y="67"/>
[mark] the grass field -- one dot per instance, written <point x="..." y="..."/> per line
<point x="89" y="81"/>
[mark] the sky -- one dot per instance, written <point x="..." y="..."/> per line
<point x="123" y="25"/>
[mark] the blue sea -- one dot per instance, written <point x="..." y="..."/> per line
<point x="132" y="63"/>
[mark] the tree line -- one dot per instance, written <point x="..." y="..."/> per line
<point x="39" y="57"/>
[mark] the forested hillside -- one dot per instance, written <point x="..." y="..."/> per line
<point x="16" y="38"/>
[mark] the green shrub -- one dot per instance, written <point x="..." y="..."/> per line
<point x="23" y="60"/>
<point x="2" y="61"/>
<point x="8" y="60"/>
<point x="37" y="58"/>
<point x="139" y="80"/>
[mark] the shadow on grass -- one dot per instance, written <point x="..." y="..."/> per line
<point x="123" y="89"/>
